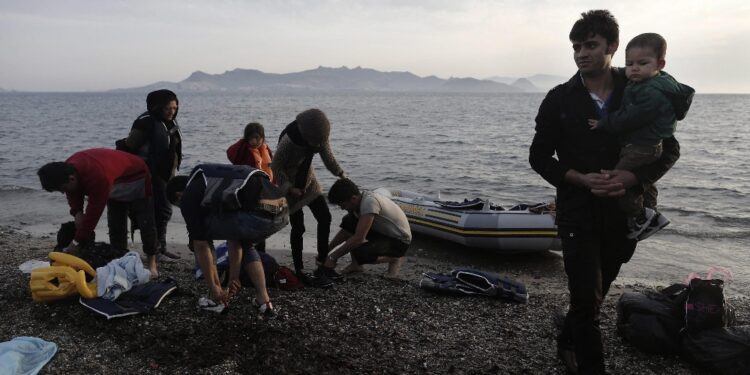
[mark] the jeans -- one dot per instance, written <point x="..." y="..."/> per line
<point x="117" y="220"/>
<point x="322" y="215"/>
<point x="592" y="261"/>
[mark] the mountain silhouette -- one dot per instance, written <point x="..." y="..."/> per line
<point x="332" y="79"/>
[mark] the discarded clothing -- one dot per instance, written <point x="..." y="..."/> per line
<point x="29" y="265"/>
<point x="120" y="275"/>
<point x="464" y="281"/>
<point x="25" y="355"/>
<point x="141" y="299"/>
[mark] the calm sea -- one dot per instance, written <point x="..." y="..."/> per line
<point x="458" y="145"/>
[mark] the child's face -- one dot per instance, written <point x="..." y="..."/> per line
<point x="641" y="64"/>
<point x="255" y="141"/>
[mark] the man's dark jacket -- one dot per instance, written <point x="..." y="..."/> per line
<point x="562" y="130"/>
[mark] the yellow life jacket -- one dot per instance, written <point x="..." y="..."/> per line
<point x="65" y="278"/>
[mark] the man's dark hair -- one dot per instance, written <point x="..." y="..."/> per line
<point x="54" y="175"/>
<point x="595" y="22"/>
<point x="176" y="185"/>
<point x="652" y="41"/>
<point x="342" y="190"/>
<point x="254" y="128"/>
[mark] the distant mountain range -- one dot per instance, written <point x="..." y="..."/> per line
<point x="346" y="79"/>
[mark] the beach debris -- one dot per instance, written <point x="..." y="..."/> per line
<point x="29" y="265"/>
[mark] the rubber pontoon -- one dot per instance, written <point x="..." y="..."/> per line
<point x="478" y="223"/>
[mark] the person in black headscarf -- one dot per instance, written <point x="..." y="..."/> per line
<point x="156" y="137"/>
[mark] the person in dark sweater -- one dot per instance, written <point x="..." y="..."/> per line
<point x="155" y="136"/>
<point x="580" y="164"/>
<point x="111" y="178"/>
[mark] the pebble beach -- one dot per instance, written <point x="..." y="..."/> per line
<point x="365" y="324"/>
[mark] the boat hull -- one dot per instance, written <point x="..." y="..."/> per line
<point x="501" y="231"/>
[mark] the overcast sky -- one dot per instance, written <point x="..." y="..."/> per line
<point x="77" y="45"/>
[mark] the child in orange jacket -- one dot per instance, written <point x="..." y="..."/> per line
<point x="252" y="150"/>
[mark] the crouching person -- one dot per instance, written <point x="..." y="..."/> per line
<point x="236" y="203"/>
<point x="375" y="230"/>
<point x="115" y="179"/>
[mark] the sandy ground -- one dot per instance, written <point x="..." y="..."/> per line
<point x="364" y="324"/>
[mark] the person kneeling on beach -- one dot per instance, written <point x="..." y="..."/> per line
<point x="375" y="230"/>
<point x="236" y="203"/>
<point x="111" y="178"/>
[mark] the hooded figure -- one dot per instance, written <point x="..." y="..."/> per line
<point x="292" y="168"/>
<point x="155" y="136"/>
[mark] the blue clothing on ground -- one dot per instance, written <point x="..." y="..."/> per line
<point x="25" y="355"/>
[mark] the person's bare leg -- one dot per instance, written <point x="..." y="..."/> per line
<point x="394" y="266"/>
<point x="258" y="278"/>
<point x="152" y="266"/>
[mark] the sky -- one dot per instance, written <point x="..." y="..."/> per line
<point x="91" y="45"/>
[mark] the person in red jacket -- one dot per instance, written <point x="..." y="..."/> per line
<point x="253" y="150"/>
<point x="116" y="179"/>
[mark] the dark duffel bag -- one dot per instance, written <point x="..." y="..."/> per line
<point x="651" y="321"/>
<point x="723" y="350"/>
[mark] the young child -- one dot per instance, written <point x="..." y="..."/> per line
<point x="652" y="104"/>
<point x="253" y="150"/>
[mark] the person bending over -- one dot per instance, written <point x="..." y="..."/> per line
<point x="111" y="178"/>
<point x="226" y="202"/>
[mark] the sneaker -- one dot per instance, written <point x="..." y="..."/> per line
<point x="637" y="225"/>
<point x="657" y="223"/>
<point x="331" y="273"/>
<point x="321" y="280"/>
<point x="207" y="304"/>
<point x="303" y="277"/>
<point x="265" y="310"/>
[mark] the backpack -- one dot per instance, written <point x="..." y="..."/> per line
<point x="723" y="350"/>
<point x="652" y="320"/>
<point x="285" y="279"/>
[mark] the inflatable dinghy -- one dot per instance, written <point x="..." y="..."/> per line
<point x="480" y="224"/>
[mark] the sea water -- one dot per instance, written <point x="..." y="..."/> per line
<point x="458" y="146"/>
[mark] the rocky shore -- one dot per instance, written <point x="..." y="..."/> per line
<point x="364" y="324"/>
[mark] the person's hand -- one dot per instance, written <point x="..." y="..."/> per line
<point x="234" y="288"/>
<point x="72" y="249"/>
<point x="614" y="183"/>
<point x="593" y="124"/>
<point x="218" y="295"/>
<point x="329" y="263"/>
<point x="295" y="192"/>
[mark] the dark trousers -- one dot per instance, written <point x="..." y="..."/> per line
<point x="117" y="220"/>
<point x="592" y="261"/>
<point x="322" y="215"/>
<point x="162" y="210"/>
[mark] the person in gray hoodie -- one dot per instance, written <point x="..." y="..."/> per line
<point x="292" y="168"/>
<point x="652" y="104"/>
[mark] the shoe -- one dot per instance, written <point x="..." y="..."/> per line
<point x="303" y="277"/>
<point x="331" y="273"/>
<point x="266" y="310"/>
<point x="321" y="280"/>
<point x="637" y="225"/>
<point x="207" y="304"/>
<point x="657" y="223"/>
